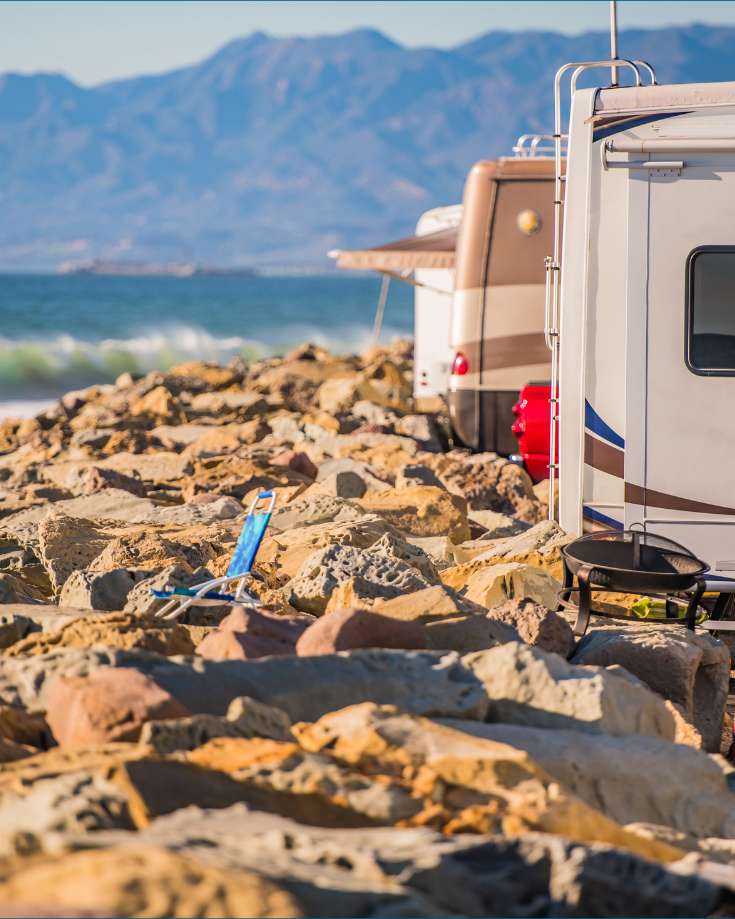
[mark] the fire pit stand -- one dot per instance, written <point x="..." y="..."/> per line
<point x="632" y="562"/>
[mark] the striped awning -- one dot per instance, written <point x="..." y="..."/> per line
<point x="433" y="250"/>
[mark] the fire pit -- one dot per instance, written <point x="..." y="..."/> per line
<point x="632" y="562"/>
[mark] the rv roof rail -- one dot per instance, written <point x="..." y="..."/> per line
<point x="531" y="145"/>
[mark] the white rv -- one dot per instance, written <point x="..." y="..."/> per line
<point x="426" y="261"/>
<point x="642" y="312"/>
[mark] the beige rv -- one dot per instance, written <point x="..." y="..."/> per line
<point x="497" y="327"/>
<point x="492" y="248"/>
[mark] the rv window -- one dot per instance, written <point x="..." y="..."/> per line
<point x="710" y="343"/>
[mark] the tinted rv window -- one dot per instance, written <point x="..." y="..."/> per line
<point x="711" y="310"/>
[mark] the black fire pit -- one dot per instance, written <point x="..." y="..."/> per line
<point x="632" y="561"/>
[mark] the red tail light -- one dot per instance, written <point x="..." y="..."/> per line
<point x="460" y="365"/>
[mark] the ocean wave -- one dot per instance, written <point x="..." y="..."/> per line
<point x="40" y="367"/>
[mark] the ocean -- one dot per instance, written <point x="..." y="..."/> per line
<point x="63" y="332"/>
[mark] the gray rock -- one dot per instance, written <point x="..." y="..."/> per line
<point x="326" y="569"/>
<point x="374" y="479"/>
<point x="537" y="625"/>
<point x="387" y="872"/>
<point x="106" y="591"/>
<point x="344" y="484"/>
<point x="531" y="687"/>
<point x="690" y="669"/>
<point x="424" y="430"/>
<point x="224" y="508"/>
<point x="305" y="688"/>
<point x="245" y="717"/>
<point x="13" y="627"/>
<point x="497" y="525"/>
<point x="314" y="510"/>
<point x="669" y="784"/>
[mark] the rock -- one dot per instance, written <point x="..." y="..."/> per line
<point x="496" y="525"/>
<point x="240" y="406"/>
<point x="424" y="430"/>
<point x="507" y="789"/>
<point x="106" y="591"/>
<point x="497" y="584"/>
<point x="345" y="484"/>
<point x="201" y="376"/>
<point x="146" y="881"/>
<point x="417" y="872"/>
<point x="414" y="474"/>
<point x="245" y="718"/>
<point x="68" y="544"/>
<point x="531" y="687"/>
<point x="690" y="669"/>
<point x="298" y="461"/>
<point x="537" y="625"/>
<point x="14" y="589"/>
<point x="355" y="628"/>
<point x="87" y="480"/>
<point x="221" y="507"/>
<point x="313" y="510"/>
<point x="428" y="605"/>
<point x="21" y="726"/>
<point x="247" y="634"/>
<point x="148" y="550"/>
<point x="323" y="571"/>
<point x="111" y="704"/>
<point x="424" y="682"/>
<point x="13" y="627"/>
<point x="467" y="633"/>
<point x="421" y="511"/>
<point x="75" y="802"/>
<point x="696" y="797"/>
<point x="337" y="395"/>
<point x="120" y="630"/>
<point x="159" y="406"/>
<point x="490" y="483"/>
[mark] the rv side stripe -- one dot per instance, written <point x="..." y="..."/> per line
<point x="601" y="518"/>
<point x="526" y="350"/>
<point x="594" y="423"/>
<point x="604" y="457"/>
<point x="646" y="497"/>
<point x="624" y="124"/>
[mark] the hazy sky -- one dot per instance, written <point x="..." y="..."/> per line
<point x="95" y="41"/>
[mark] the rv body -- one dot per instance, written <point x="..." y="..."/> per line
<point x="497" y="327"/>
<point x="432" y="356"/>
<point x="647" y="316"/>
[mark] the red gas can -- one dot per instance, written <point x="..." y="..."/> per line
<point x="532" y="428"/>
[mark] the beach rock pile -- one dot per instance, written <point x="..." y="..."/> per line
<point x="402" y="726"/>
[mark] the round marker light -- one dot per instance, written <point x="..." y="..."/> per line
<point x="528" y="222"/>
<point x="460" y="365"/>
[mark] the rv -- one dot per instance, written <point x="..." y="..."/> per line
<point x="642" y="311"/>
<point x="497" y="330"/>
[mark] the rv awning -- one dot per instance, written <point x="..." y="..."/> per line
<point x="433" y="250"/>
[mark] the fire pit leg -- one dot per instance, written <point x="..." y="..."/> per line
<point x="696" y="596"/>
<point x="585" y="600"/>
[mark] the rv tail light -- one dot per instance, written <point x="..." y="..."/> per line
<point x="460" y="365"/>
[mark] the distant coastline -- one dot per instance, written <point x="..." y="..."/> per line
<point x="150" y="269"/>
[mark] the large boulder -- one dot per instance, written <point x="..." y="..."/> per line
<point x="670" y="784"/>
<point x="101" y="591"/>
<point x="111" y="704"/>
<point x="347" y="629"/>
<point x="690" y="669"/>
<point x="425" y="682"/>
<point x="531" y="687"/>
<point x="491" y="483"/>
<point x="537" y="625"/>
<point x="68" y="544"/>
<point x="326" y="569"/>
<point x="496" y="585"/>
<point x="418" y="872"/>
<point x="305" y="512"/>
<point x="247" y="634"/>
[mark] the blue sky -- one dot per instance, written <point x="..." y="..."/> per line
<point x="95" y="41"/>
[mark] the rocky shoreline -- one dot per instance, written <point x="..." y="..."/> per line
<point x="402" y="728"/>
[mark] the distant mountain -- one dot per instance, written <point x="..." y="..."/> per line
<point x="276" y="150"/>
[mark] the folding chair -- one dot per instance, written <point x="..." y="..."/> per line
<point x="248" y="543"/>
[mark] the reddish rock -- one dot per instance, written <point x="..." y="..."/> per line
<point x="347" y="629"/>
<point x="111" y="704"/>
<point x="247" y="634"/>
<point x="537" y="625"/>
<point x="297" y="461"/>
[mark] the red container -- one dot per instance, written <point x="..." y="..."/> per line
<point x="532" y="428"/>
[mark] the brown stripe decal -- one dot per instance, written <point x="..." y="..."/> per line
<point x="603" y="456"/>
<point x="515" y="351"/>
<point x="646" y="497"/>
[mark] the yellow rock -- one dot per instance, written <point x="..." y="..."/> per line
<point x="140" y="881"/>
<point x="493" y="585"/>
<point x="422" y="510"/>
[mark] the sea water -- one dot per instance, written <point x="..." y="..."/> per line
<point x="63" y="332"/>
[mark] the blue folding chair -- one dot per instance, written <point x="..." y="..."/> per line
<point x="248" y="543"/>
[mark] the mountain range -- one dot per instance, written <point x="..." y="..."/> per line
<point x="274" y="150"/>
